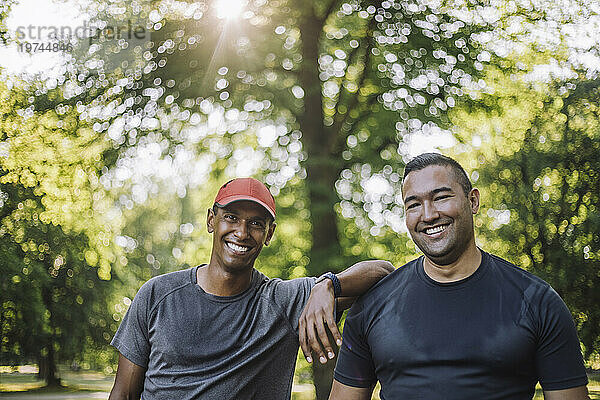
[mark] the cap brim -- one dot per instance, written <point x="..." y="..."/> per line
<point x="230" y="199"/>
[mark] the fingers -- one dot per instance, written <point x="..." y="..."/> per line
<point x="317" y="327"/>
<point x="303" y="339"/>
<point x="314" y="339"/>
<point x="320" y="330"/>
<point x="333" y="328"/>
<point x="319" y="336"/>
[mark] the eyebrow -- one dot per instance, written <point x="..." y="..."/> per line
<point x="228" y="210"/>
<point x="434" y="191"/>
<point x="258" y="218"/>
<point x="255" y="218"/>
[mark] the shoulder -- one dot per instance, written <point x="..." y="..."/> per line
<point x="536" y="293"/>
<point x="284" y="289"/>
<point x="382" y="296"/>
<point x="288" y="297"/>
<point x="516" y="276"/>
<point x="390" y="285"/>
<point x="158" y="287"/>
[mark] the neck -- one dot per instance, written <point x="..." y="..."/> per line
<point x="217" y="282"/>
<point x="465" y="266"/>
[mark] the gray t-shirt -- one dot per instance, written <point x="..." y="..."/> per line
<point x="195" y="345"/>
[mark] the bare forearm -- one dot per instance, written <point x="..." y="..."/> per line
<point x="576" y="393"/>
<point x="343" y="303"/>
<point x="339" y="391"/>
<point x="129" y="381"/>
<point x="359" y="278"/>
<point x="318" y="315"/>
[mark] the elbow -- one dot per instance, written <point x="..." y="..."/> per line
<point x="387" y="267"/>
<point x="379" y="268"/>
<point x="390" y="267"/>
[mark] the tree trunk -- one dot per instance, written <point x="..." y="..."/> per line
<point x="325" y="252"/>
<point x="322" y="172"/>
<point x="322" y="166"/>
<point x="50" y="370"/>
<point x="47" y="365"/>
<point x="42" y="367"/>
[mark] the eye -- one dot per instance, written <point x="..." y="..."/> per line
<point x="412" y="205"/>
<point x="257" y="224"/>
<point x="230" y="217"/>
<point x="442" y="197"/>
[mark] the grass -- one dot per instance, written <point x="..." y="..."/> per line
<point x="17" y="382"/>
<point x="79" y="383"/>
<point x="84" y="382"/>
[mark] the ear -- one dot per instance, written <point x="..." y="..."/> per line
<point x="270" y="232"/>
<point x="474" y="200"/>
<point x="210" y="221"/>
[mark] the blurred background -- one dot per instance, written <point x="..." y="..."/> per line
<point x="120" y="120"/>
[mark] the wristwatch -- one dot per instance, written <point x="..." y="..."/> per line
<point x="337" y="287"/>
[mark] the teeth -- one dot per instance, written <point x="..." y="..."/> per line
<point x="235" y="247"/>
<point x="431" y="231"/>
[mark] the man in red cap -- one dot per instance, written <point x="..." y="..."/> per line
<point x="223" y="330"/>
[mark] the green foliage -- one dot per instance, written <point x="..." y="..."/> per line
<point x="286" y="256"/>
<point x="315" y="98"/>
<point x="346" y="80"/>
<point x="22" y="308"/>
<point x="538" y="171"/>
<point x="54" y="261"/>
<point x="4" y="11"/>
<point x="52" y="300"/>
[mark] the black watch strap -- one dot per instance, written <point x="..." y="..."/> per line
<point x="337" y="287"/>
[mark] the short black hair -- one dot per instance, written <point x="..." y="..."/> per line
<point x="270" y="218"/>
<point x="427" y="159"/>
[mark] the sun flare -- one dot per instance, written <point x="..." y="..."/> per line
<point x="229" y="9"/>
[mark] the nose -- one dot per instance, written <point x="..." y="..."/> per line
<point x="430" y="212"/>
<point x="241" y="230"/>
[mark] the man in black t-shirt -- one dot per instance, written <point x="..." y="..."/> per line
<point x="457" y="323"/>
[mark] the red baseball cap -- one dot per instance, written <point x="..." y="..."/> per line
<point x="246" y="189"/>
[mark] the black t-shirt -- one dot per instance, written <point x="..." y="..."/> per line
<point x="492" y="335"/>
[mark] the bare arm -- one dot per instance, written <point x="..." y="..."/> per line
<point x="576" y="393"/>
<point x="343" y="303"/>
<point x="318" y="317"/>
<point x="129" y="381"/>
<point x="359" y="278"/>
<point x="339" y="391"/>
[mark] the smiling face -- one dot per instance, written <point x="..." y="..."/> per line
<point x="239" y="230"/>
<point x="439" y="216"/>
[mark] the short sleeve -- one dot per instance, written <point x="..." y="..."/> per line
<point x="355" y="365"/>
<point x="559" y="362"/>
<point x="132" y="337"/>
<point x="292" y="295"/>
